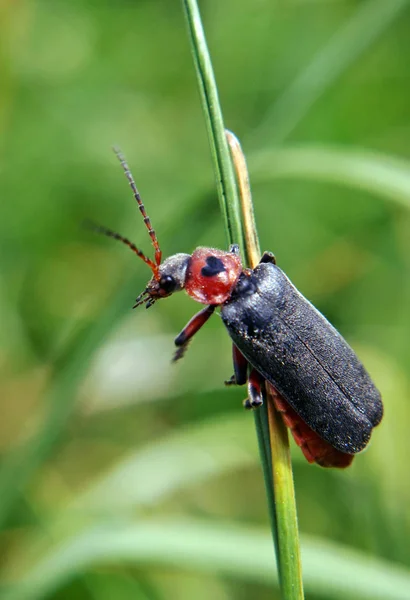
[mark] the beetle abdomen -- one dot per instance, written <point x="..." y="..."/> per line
<point x="294" y="347"/>
<point x="314" y="448"/>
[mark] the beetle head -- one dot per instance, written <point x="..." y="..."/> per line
<point x="170" y="278"/>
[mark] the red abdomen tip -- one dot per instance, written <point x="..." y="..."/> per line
<point x="313" y="447"/>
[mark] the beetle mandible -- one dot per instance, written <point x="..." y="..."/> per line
<point x="280" y="342"/>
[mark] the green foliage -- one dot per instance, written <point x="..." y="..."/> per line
<point x="124" y="476"/>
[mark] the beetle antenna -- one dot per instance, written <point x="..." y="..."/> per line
<point x="112" y="234"/>
<point x="141" y="206"/>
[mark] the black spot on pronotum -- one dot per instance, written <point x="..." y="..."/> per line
<point x="214" y="266"/>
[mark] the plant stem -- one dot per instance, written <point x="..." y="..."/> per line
<point x="224" y="173"/>
<point x="272" y="436"/>
<point x="273" y="439"/>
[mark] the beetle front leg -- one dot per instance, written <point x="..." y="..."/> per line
<point x="255" y="393"/>
<point x="234" y="248"/>
<point x="182" y="340"/>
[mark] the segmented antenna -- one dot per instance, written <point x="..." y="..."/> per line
<point x="151" y="231"/>
<point x="124" y="240"/>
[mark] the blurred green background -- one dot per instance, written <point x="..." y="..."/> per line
<point x="124" y="476"/>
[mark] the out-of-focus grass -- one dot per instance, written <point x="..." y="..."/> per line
<point x="240" y="552"/>
<point x="77" y="78"/>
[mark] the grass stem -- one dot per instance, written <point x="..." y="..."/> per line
<point x="241" y="229"/>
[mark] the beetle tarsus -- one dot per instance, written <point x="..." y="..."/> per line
<point x="234" y="249"/>
<point x="251" y="405"/>
<point x="231" y="381"/>
<point x="179" y="353"/>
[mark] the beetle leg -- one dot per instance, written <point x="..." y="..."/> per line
<point x="182" y="340"/>
<point x="240" y="377"/>
<point x="234" y="249"/>
<point x="268" y="257"/>
<point x="240" y="367"/>
<point x="255" y="394"/>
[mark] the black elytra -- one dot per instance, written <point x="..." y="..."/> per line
<point x="301" y="354"/>
<point x="280" y="340"/>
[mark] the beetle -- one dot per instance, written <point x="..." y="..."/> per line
<point x="281" y="343"/>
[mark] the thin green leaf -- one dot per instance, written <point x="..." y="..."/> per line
<point x="384" y="176"/>
<point x="226" y="183"/>
<point x="224" y="174"/>
<point x="69" y="371"/>
<point x="183" y="458"/>
<point x="272" y="434"/>
<point x="367" y="23"/>
<point x="331" y="571"/>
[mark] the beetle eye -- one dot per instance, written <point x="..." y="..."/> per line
<point x="167" y="283"/>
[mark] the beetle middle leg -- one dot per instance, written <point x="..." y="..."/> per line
<point x="240" y="368"/>
<point x="182" y="340"/>
<point x="240" y="377"/>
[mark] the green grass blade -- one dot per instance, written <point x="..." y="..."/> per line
<point x="224" y="174"/>
<point x="331" y="571"/>
<point x="227" y="191"/>
<point x="19" y="466"/>
<point x="272" y="433"/>
<point x="183" y="458"/>
<point x="367" y="23"/>
<point x="387" y="177"/>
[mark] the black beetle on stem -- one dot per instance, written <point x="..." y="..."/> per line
<point x="280" y="340"/>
